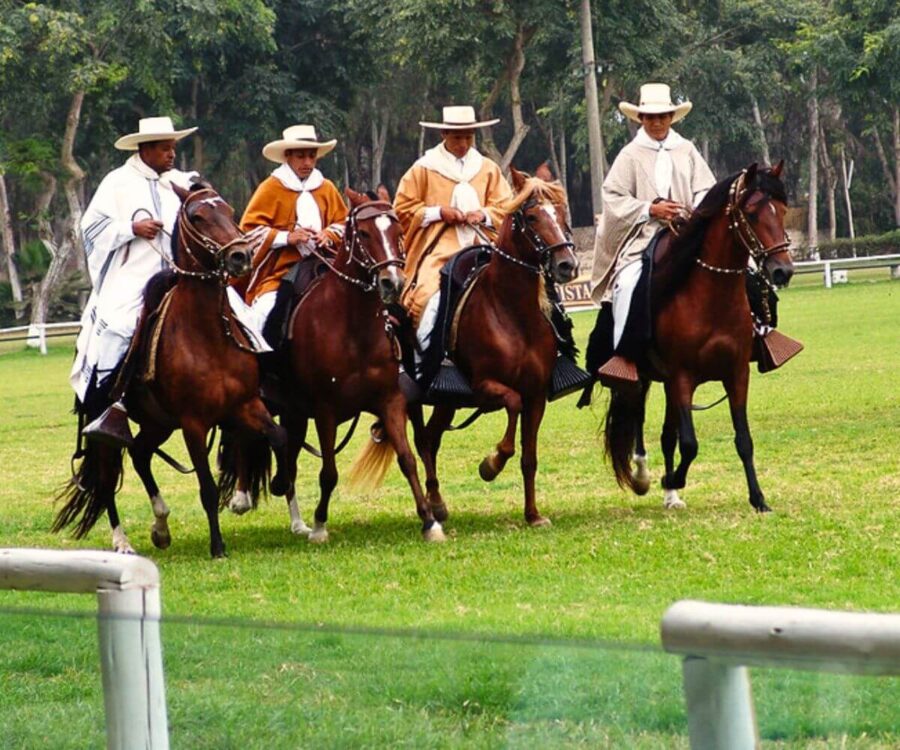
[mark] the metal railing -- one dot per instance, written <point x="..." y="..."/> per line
<point x="719" y="641"/>
<point x="827" y="267"/>
<point x="36" y="335"/>
<point x="128" y="612"/>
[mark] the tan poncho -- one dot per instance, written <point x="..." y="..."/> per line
<point x="625" y="228"/>
<point x="423" y="186"/>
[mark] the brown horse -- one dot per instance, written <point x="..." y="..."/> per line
<point x="505" y="344"/>
<point x="343" y="361"/>
<point x="702" y="327"/>
<point x="204" y="376"/>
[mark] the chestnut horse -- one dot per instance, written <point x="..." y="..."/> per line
<point x="506" y="347"/>
<point x="204" y="376"/>
<point x="344" y="361"/>
<point x="702" y="327"/>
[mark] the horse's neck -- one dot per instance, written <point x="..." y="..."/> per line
<point x="204" y="297"/>
<point x="512" y="287"/>
<point x="720" y="249"/>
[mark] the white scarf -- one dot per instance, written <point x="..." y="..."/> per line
<point x="460" y="171"/>
<point x="308" y="215"/>
<point x="662" y="172"/>
<point x="166" y="179"/>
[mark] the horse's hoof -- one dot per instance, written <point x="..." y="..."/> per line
<point x="539" y="522"/>
<point x="124" y="549"/>
<point x="440" y="512"/>
<point x="319" y="534"/>
<point x="763" y="508"/>
<point x="640" y="485"/>
<point x="671" y="501"/>
<point x="161" y="540"/>
<point x="300" y="528"/>
<point x="240" y="503"/>
<point x="279" y="486"/>
<point x="434" y="534"/>
<point x="487" y="470"/>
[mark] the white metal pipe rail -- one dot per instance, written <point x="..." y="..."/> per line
<point x="719" y="641"/>
<point x="128" y="601"/>
<point x="826" y="267"/>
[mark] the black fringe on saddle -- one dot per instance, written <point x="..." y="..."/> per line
<point x="621" y="431"/>
<point x="257" y="456"/>
<point x="83" y="495"/>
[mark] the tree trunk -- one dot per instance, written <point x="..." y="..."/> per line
<point x="812" y="223"/>
<point x="757" y="118"/>
<point x="848" y="180"/>
<point x="830" y="183"/>
<point x="379" y="143"/>
<point x="595" y="138"/>
<point x="897" y="165"/>
<point x="197" y="138"/>
<point x="60" y="251"/>
<point x="888" y="176"/>
<point x="9" y="244"/>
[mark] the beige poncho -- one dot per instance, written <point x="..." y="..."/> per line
<point x="632" y="184"/>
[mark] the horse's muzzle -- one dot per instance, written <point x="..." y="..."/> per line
<point x="565" y="269"/>
<point x="238" y="262"/>
<point x="390" y="284"/>
<point x="782" y="275"/>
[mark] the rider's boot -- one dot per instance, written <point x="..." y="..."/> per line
<point x="111" y="427"/>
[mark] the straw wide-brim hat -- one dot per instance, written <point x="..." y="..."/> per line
<point x="152" y="129"/>
<point x="656" y="98"/>
<point x="297" y="136"/>
<point x="459" y="118"/>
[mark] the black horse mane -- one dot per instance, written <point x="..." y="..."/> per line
<point x="673" y="270"/>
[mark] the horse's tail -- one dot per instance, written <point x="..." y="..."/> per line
<point x="254" y="456"/>
<point x="86" y="494"/>
<point x="621" y="431"/>
<point x="371" y="464"/>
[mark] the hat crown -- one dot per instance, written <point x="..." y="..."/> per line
<point x="459" y="115"/>
<point x="155" y="125"/>
<point x="300" y="133"/>
<point x="656" y="94"/>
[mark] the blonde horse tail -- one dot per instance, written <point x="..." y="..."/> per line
<point x="370" y="466"/>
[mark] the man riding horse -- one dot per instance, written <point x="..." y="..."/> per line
<point x="302" y="210"/>
<point x="127" y="231"/>
<point x="450" y="189"/>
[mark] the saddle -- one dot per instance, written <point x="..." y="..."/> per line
<point x="293" y="288"/>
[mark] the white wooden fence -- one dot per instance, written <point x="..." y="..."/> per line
<point x="828" y="267"/>
<point x="127" y="588"/>
<point x="36" y="335"/>
<point x="719" y="641"/>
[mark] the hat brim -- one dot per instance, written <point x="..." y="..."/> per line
<point x="276" y="150"/>
<point x="131" y="141"/>
<point x="456" y="126"/>
<point x="631" y="111"/>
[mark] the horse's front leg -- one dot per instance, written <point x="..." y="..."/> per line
<point x="532" y="415"/>
<point x="679" y="425"/>
<point x="296" y="429"/>
<point x="145" y="443"/>
<point x="393" y="416"/>
<point x="326" y="428"/>
<point x="640" y="474"/>
<point x="737" y="400"/>
<point x="428" y="443"/>
<point x="493" y="393"/>
<point x="195" y="432"/>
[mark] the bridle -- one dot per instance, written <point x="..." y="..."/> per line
<point x="743" y="232"/>
<point x="357" y="254"/>
<point x="536" y="242"/>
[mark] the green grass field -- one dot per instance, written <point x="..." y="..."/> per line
<point x="574" y="609"/>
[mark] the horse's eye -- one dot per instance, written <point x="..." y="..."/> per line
<point x="364" y="234"/>
<point x="531" y="218"/>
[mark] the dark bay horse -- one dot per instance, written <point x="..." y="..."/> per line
<point x="344" y="361"/>
<point x="205" y="375"/>
<point x="505" y="345"/>
<point x="702" y="327"/>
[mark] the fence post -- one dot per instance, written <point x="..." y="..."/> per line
<point x="131" y="664"/>
<point x="827" y="274"/>
<point x="719" y="706"/>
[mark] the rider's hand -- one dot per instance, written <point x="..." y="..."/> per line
<point x="146" y="228"/>
<point x="300" y="236"/>
<point x="320" y="238"/>
<point x="666" y="210"/>
<point x="475" y="217"/>
<point x="450" y="215"/>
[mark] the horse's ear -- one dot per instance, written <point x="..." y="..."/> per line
<point x="518" y="178"/>
<point x="356" y="199"/>
<point x="180" y="192"/>
<point x="776" y="170"/>
<point x="544" y="172"/>
<point x="751" y="174"/>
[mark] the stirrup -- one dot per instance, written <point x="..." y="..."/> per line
<point x="775" y="349"/>
<point x="567" y="378"/>
<point x="111" y="428"/>
<point x="618" y="372"/>
<point x="449" y="381"/>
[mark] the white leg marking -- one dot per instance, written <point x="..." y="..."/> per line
<point x="240" y="502"/>
<point x="159" y="532"/>
<point x="671" y="501"/>
<point x="319" y="534"/>
<point x="297" y="525"/>
<point x="120" y="541"/>
<point x="160" y="509"/>
<point x="435" y="533"/>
